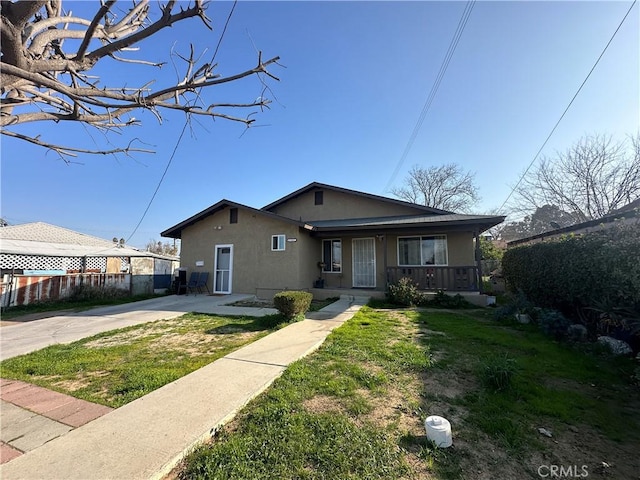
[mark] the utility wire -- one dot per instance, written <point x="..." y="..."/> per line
<point x="567" y="109"/>
<point x="184" y="128"/>
<point x="175" y="149"/>
<point x="434" y="89"/>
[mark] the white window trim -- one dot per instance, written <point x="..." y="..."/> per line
<point x="282" y="242"/>
<point x="446" y="240"/>
<point x="322" y="255"/>
<point x="215" y="267"/>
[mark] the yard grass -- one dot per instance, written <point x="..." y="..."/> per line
<point x="116" y="367"/>
<point x="355" y="408"/>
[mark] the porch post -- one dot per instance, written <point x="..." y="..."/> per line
<point x="476" y="234"/>
<point x="384" y="260"/>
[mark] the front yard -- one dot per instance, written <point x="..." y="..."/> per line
<point x="355" y="409"/>
<point x="116" y="367"/>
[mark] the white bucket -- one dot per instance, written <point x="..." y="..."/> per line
<point x="438" y="430"/>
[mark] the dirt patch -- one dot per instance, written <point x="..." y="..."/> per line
<point x="81" y="381"/>
<point x="323" y="404"/>
<point x="253" y="303"/>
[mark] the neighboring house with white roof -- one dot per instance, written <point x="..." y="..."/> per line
<point x="42" y="250"/>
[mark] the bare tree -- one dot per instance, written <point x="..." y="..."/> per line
<point x="591" y="179"/>
<point x="446" y="187"/>
<point x="47" y="57"/>
<point x="165" y="248"/>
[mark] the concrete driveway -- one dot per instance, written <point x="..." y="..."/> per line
<point x="30" y="336"/>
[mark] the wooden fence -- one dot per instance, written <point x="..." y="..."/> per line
<point x="26" y="289"/>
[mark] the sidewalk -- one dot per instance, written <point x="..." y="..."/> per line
<point x="146" y="438"/>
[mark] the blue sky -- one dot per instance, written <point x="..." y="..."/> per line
<point x="354" y="80"/>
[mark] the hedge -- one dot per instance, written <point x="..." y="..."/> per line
<point x="579" y="271"/>
<point x="292" y="303"/>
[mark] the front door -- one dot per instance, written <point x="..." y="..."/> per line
<point x="364" y="262"/>
<point x="223" y="269"/>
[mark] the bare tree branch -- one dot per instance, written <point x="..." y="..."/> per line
<point x="446" y="187"/>
<point x="70" y="151"/>
<point x="591" y="179"/>
<point x="41" y="80"/>
<point x="90" y="33"/>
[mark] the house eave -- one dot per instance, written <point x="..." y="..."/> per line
<point x="475" y="225"/>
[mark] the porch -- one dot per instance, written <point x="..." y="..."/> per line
<point x="456" y="279"/>
<point x="475" y="298"/>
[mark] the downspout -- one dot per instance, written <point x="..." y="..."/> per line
<point x="478" y="255"/>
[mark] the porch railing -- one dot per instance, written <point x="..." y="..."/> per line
<point x="437" y="278"/>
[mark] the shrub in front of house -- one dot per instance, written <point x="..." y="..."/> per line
<point x="443" y="300"/>
<point x="404" y="292"/>
<point x="292" y="303"/>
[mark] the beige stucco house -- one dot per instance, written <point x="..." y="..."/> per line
<point x="323" y="238"/>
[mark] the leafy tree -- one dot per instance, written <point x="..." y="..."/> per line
<point x="446" y="187"/>
<point x="590" y="180"/>
<point x="489" y="250"/>
<point x="48" y="69"/>
<point x="543" y="219"/>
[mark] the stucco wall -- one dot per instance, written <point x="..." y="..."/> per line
<point x="339" y="205"/>
<point x="255" y="265"/>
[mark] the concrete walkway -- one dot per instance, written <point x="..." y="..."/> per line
<point x="146" y="438"/>
<point x="31" y="336"/>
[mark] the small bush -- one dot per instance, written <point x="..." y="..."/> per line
<point x="292" y="304"/>
<point x="405" y="293"/>
<point x="442" y="300"/>
<point x="497" y="372"/>
<point x="517" y="303"/>
<point x="553" y="323"/>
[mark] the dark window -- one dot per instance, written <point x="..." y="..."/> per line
<point x="233" y="215"/>
<point x="319" y="198"/>
<point x="332" y="256"/>
<point x="278" y="242"/>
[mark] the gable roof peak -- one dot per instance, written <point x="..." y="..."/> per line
<point x="325" y="186"/>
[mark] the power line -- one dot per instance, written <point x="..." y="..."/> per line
<point x="184" y="128"/>
<point x="434" y="89"/>
<point x="567" y="109"/>
<point x="175" y="149"/>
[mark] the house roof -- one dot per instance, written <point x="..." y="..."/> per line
<point x="176" y="230"/>
<point x="39" y="238"/>
<point x="45" y="232"/>
<point x="484" y="222"/>
<point x="48" y="249"/>
<point x="324" y="186"/>
<point x="432" y="217"/>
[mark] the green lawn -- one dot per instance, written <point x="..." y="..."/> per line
<point x="355" y="409"/>
<point x="116" y="367"/>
